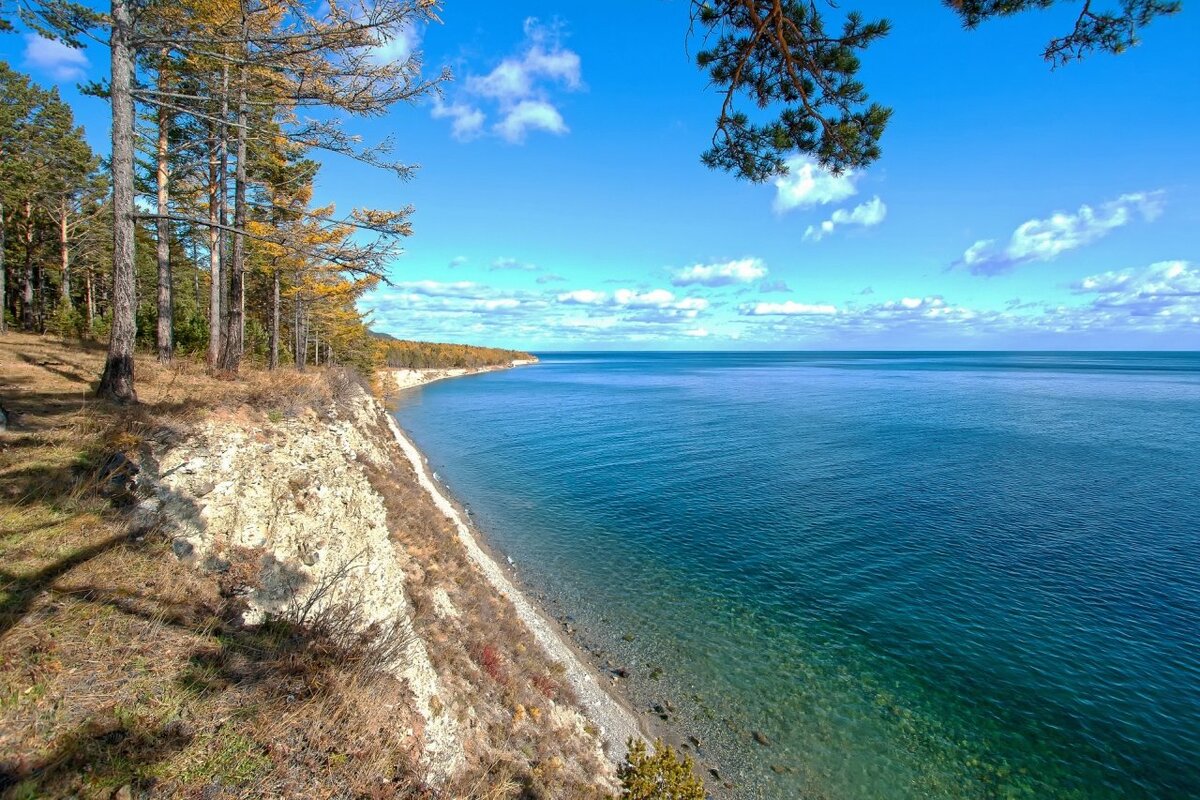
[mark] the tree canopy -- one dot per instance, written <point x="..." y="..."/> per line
<point x="799" y="73"/>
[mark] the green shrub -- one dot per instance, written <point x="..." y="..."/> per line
<point x="658" y="776"/>
<point x="67" y="322"/>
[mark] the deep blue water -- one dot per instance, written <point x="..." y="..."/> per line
<point x="917" y="574"/>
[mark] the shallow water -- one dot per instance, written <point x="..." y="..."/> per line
<point x="916" y="575"/>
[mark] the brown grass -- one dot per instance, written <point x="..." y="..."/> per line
<point x="120" y="666"/>
<point x="504" y="684"/>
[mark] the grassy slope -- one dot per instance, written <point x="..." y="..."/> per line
<point x="120" y="666"/>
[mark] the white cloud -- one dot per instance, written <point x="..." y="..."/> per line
<point x="439" y="289"/>
<point x="467" y="121"/>
<point x="655" y="305"/>
<point x="586" y="297"/>
<point x="743" y="270"/>
<point x="1046" y="239"/>
<point x="1123" y="307"/>
<point x="518" y="89"/>
<point x="1167" y="288"/>
<point x="865" y="214"/>
<point x="655" y="298"/>
<point x="788" y="308"/>
<point x="806" y="184"/>
<point x="516" y="78"/>
<point x="400" y="48"/>
<point x="513" y="264"/>
<point x="458" y="261"/>
<point x="529" y="115"/>
<point x="62" y="62"/>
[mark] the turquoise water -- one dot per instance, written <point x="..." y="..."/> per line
<point x="916" y="575"/>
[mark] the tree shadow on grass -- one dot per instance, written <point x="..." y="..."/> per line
<point x="20" y="590"/>
<point x="113" y="750"/>
<point x="76" y="373"/>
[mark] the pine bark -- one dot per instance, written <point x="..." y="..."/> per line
<point x="27" y="277"/>
<point x="166" y="304"/>
<point x="117" y="380"/>
<point x="223" y="205"/>
<point x="89" y="299"/>
<point x="214" y="250"/>
<point x="231" y="354"/>
<point x="273" y="362"/>
<point x="64" y="245"/>
<point x="3" y="277"/>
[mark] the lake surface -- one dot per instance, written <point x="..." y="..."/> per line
<point x="916" y="575"/>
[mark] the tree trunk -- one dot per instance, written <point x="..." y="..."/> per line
<point x="65" y="255"/>
<point x="166" y="305"/>
<point x="3" y="277"/>
<point x="235" y="331"/>
<point x="89" y="300"/>
<point x="301" y="336"/>
<point x="27" y="277"/>
<point x="223" y="207"/>
<point x="116" y="383"/>
<point x="39" y="283"/>
<point x="273" y="362"/>
<point x="215" y="237"/>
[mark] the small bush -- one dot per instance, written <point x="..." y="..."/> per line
<point x="661" y="776"/>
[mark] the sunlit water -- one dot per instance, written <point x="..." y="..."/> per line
<point x="916" y="575"/>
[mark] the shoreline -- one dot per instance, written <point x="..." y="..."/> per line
<point x="411" y="378"/>
<point x="584" y="667"/>
<point x="612" y="714"/>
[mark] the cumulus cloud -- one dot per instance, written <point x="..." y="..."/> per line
<point x="518" y="90"/>
<point x="744" y="270"/>
<point x="61" y="62"/>
<point x="584" y="297"/>
<point x="806" y="184"/>
<point x="1046" y="239"/>
<point x="1124" y="305"/>
<point x="788" y="308"/>
<point x="1164" y="289"/>
<point x="517" y="77"/>
<point x="466" y="120"/>
<point x="865" y="214"/>
<point x="769" y="287"/>
<point x="662" y="302"/>
<point x="529" y="115"/>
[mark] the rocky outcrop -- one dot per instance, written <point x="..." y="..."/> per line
<point x="295" y="493"/>
<point x="308" y="504"/>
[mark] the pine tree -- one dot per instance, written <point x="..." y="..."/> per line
<point x="783" y="56"/>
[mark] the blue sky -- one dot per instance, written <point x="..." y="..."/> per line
<point x="561" y="203"/>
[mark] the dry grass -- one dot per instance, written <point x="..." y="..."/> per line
<point x="505" y="686"/>
<point x="120" y="666"/>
